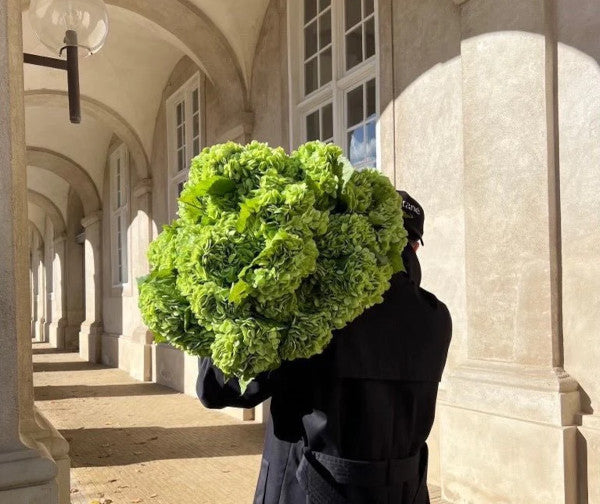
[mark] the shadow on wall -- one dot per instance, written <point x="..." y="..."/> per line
<point x="122" y="446"/>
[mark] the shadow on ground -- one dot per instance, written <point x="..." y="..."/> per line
<point x="53" y="392"/>
<point x="39" y="367"/>
<point x="132" y="445"/>
<point x="39" y="350"/>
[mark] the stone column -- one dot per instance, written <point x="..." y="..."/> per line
<point x="56" y="329"/>
<point x="141" y="365"/>
<point x="27" y="475"/>
<point x="508" y="421"/>
<point x="90" y="336"/>
<point x="48" y="278"/>
<point x="38" y="296"/>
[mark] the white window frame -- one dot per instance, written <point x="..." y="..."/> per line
<point x="342" y="80"/>
<point x="119" y="215"/>
<point x="175" y="176"/>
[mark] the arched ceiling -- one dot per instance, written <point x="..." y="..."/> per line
<point x="50" y="209"/>
<point x="128" y="75"/>
<point x="85" y="143"/>
<point x="240" y="21"/>
<point x="121" y="86"/>
<point x="53" y="187"/>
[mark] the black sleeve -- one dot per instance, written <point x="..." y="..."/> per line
<point x="215" y="393"/>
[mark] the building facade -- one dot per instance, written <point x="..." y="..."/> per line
<point x="486" y="111"/>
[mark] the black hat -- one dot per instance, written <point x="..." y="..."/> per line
<point x="414" y="217"/>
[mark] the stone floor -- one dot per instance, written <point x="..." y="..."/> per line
<point x="134" y="442"/>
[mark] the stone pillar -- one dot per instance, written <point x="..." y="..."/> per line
<point x="141" y="364"/>
<point x="56" y="329"/>
<point x="90" y="336"/>
<point x="508" y="420"/>
<point x="48" y="278"/>
<point x="27" y="474"/>
<point x="38" y="288"/>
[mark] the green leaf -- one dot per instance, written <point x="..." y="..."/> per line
<point x="347" y="170"/>
<point x="216" y="185"/>
<point x="239" y="291"/>
<point x="245" y="213"/>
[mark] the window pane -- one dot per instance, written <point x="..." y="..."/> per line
<point x="356" y="145"/>
<point x="180" y="159"/>
<point x="354" y="47"/>
<point x="354" y="107"/>
<point x="180" y="136"/>
<point x="310" y="10"/>
<point x="119" y="245"/>
<point x="310" y="76"/>
<point x="196" y="149"/>
<point x="312" y="126"/>
<point x="325" y="63"/>
<point x="327" y="122"/>
<point x="195" y="100"/>
<point x="371" y="100"/>
<point x="325" y="30"/>
<point x="368" y="7"/>
<point x="196" y="125"/>
<point x="118" y="183"/>
<point x="371" y="145"/>
<point x="370" y="38"/>
<point x="180" y="188"/>
<point x="123" y="254"/>
<point x="310" y="39"/>
<point x="323" y="4"/>
<point x="353" y="15"/>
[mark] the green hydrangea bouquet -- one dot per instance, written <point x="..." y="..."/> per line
<point x="271" y="252"/>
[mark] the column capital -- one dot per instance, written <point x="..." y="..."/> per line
<point x="142" y="187"/>
<point x="92" y="218"/>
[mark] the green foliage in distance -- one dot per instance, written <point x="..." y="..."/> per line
<point x="271" y="253"/>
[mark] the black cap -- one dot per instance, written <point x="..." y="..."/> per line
<point x="414" y="217"/>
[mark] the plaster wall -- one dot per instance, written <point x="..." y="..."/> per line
<point x="269" y="90"/>
<point x="422" y="149"/>
<point x="579" y="135"/>
<point x="120" y="310"/>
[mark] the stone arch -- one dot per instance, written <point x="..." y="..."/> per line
<point x="202" y="41"/>
<point x="205" y="43"/>
<point x="111" y="118"/>
<point x="34" y="231"/>
<point x="50" y="208"/>
<point x="69" y="170"/>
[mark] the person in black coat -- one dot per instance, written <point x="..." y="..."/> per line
<point x="350" y="425"/>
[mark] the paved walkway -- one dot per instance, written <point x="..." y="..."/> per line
<point x="134" y="442"/>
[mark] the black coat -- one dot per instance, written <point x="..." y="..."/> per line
<point x="367" y="400"/>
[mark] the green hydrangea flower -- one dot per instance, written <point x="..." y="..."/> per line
<point x="271" y="253"/>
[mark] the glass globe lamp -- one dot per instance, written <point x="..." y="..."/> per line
<point x="70" y="23"/>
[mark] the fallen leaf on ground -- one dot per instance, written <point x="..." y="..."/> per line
<point x="74" y="490"/>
